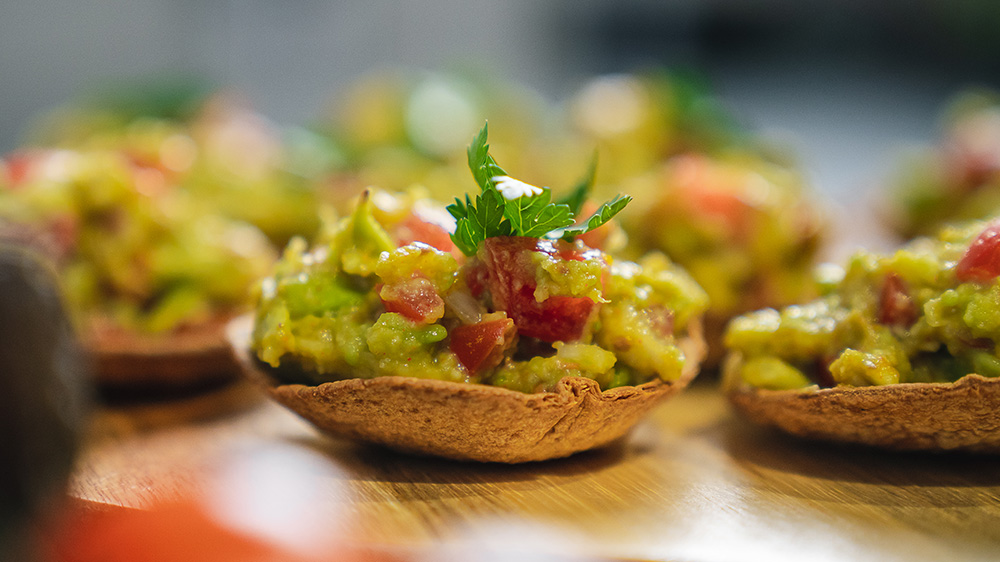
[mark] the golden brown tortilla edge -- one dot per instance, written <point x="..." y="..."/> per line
<point x="909" y="416"/>
<point x="533" y="427"/>
<point x="196" y="355"/>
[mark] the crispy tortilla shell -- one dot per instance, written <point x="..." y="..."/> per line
<point x="470" y="421"/>
<point x="963" y="415"/>
<point x="195" y="355"/>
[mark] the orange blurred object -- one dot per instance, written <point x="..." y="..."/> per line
<point x="171" y="532"/>
<point x="183" y="530"/>
<point x="256" y="505"/>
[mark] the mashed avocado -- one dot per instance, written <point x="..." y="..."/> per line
<point x="930" y="312"/>
<point x="232" y="159"/>
<point x="957" y="179"/>
<point x="367" y="300"/>
<point x="132" y="248"/>
<point x="743" y="227"/>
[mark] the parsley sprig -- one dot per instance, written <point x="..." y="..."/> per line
<point x="534" y="215"/>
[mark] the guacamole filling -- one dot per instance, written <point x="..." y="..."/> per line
<point x="958" y="179"/>
<point x="231" y="159"/>
<point x="740" y="225"/>
<point x="134" y="251"/>
<point x="930" y="312"/>
<point x="385" y="292"/>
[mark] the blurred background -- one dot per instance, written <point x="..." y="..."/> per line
<point x="847" y="82"/>
<point x="848" y="85"/>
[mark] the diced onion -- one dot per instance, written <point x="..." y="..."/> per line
<point x="465" y="306"/>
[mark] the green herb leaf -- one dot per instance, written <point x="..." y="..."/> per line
<point x="483" y="167"/>
<point x="575" y="198"/>
<point x="465" y="237"/>
<point x="459" y="209"/>
<point x="536" y="216"/>
<point x="491" y="214"/>
<point x="602" y="215"/>
<point x="477" y="222"/>
<point x="607" y="211"/>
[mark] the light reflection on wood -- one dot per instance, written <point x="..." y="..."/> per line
<point x="692" y="482"/>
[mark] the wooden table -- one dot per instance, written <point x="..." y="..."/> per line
<point x="693" y="482"/>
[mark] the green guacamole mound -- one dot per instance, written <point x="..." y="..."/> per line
<point x="743" y="227"/>
<point x="899" y="318"/>
<point x="958" y="178"/>
<point x="228" y="157"/>
<point x="133" y="249"/>
<point x="323" y="314"/>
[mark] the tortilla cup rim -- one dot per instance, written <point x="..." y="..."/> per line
<point x="932" y="416"/>
<point x="461" y="421"/>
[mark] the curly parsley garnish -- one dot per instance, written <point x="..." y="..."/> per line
<point x="510" y="207"/>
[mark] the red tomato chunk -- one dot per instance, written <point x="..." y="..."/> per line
<point x="896" y="307"/>
<point x="981" y="261"/>
<point x="481" y="346"/>
<point x="510" y="279"/>
<point x="415" y="299"/>
<point x="415" y="229"/>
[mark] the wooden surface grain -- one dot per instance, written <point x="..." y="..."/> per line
<point x="692" y="482"/>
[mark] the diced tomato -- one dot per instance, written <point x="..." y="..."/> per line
<point x="477" y="279"/>
<point x="415" y="229"/>
<point x="981" y="261"/>
<point x="19" y="166"/>
<point x="481" y="346"/>
<point x="598" y="237"/>
<point x="555" y="319"/>
<point x="712" y="192"/>
<point x="970" y="172"/>
<point x="511" y="281"/>
<point x="722" y="204"/>
<point x="972" y="149"/>
<point x="569" y="252"/>
<point x="415" y="299"/>
<point x="896" y="307"/>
